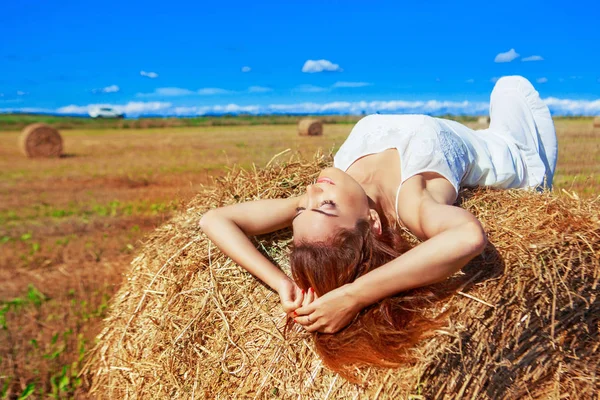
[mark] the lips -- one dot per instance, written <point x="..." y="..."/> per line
<point x="325" y="180"/>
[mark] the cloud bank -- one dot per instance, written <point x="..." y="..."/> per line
<point x="432" y="107"/>
<point x="313" y="66"/>
<point x="506" y="56"/>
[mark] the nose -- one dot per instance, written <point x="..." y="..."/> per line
<point x="314" y="188"/>
<point x="313" y="191"/>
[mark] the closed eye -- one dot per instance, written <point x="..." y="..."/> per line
<point x="331" y="203"/>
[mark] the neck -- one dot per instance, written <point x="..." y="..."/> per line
<point x="382" y="200"/>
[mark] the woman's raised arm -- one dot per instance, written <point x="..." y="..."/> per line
<point x="229" y="227"/>
<point x="453" y="237"/>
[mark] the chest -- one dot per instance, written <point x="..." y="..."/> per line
<point x="384" y="164"/>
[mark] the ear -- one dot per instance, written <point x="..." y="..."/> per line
<point x="375" y="221"/>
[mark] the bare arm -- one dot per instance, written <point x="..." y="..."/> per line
<point x="229" y="227"/>
<point x="455" y="237"/>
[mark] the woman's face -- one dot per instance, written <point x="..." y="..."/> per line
<point x="335" y="201"/>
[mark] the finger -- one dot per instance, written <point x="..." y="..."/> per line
<point x="308" y="298"/>
<point x="299" y="299"/>
<point x="307" y="309"/>
<point x="305" y="320"/>
<point x="316" y="327"/>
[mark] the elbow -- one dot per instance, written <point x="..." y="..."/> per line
<point x="206" y="219"/>
<point x="475" y="239"/>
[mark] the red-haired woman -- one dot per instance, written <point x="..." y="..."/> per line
<point x="393" y="170"/>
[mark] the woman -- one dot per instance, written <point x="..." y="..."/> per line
<point x="393" y="170"/>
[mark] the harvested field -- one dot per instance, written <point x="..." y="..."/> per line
<point x="188" y="323"/>
<point x="69" y="227"/>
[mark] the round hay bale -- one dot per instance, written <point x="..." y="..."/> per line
<point x="597" y="122"/>
<point x="310" y="127"/>
<point x="523" y="319"/>
<point x="41" y="140"/>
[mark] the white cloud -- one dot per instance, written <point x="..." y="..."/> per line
<point x="573" y="107"/>
<point x="21" y="93"/>
<point x="343" y="84"/>
<point x="310" y="89"/>
<point x="433" y="107"/>
<point x="542" y="80"/>
<point x="30" y="110"/>
<point x="259" y="89"/>
<point x="246" y="69"/>
<point x="133" y="108"/>
<point x="178" y="92"/>
<point x="506" y="56"/>
<point x="167" y="92"/>
<point x="212" y="91"/>
<point x="533" y="58"/>
<point x="151" y="75"/>
<point x="312" y="66"/>
<point x="219" y="109"/>
<point x="107" y="89"/>
<point x="470" y="80"/>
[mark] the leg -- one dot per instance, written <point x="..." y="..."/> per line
<point x="516" y="110"/>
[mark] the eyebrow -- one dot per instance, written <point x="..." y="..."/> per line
<point x="318" y="211"/>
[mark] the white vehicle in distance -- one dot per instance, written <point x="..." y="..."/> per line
<point x="105" y="112"/>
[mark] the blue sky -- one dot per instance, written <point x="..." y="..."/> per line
<point x="195" y="57"/>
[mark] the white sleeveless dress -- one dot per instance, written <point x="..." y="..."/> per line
<point x="519" y="149"/>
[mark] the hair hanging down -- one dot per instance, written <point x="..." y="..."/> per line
<point x="383" y="333"/>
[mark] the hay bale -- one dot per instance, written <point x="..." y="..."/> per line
<point x="189" y="323"/>
<point x="310" y="127"/>
<point x="483" y="120"/>
<point x="597" y="122"/>
<point x="41" y="140"/>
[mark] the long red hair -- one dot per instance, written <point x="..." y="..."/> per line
<point x="383" y="333"/>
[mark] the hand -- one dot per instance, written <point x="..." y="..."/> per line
<point x="290" y="294"/>
<point x="329" y="313"/>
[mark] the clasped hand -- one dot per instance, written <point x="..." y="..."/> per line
<point x="328" y="313"/>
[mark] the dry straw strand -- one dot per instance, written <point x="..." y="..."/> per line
<point x="188" y="323"/>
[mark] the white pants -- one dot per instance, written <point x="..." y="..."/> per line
<point x="520" y="148"/>
<point x="517" y="110"/>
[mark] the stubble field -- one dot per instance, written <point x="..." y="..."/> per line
<point x="69" y="227"/>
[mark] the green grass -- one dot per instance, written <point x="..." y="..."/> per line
<point x="86" y="212"/>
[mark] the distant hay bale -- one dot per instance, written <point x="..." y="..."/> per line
<point x="189" y="323"/>
<point x="483" y="120"/>
<point x="597" y="122"/>
<point x="310" y="127"/>
<point x="41" y="140"/>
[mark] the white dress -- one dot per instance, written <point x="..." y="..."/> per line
<point x="519" y="149"/>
